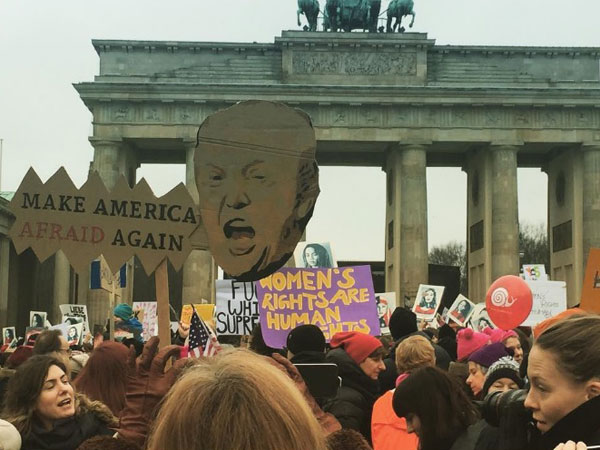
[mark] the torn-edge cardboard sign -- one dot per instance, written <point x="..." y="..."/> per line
<point x="91" y="221"/>
<point x="258" y="182"/>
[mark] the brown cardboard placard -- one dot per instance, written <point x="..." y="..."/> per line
<point x="257" y="180"/>
<point x="590" y="294"/>
<point x="91" y="221"/>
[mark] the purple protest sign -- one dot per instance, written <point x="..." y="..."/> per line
<point x="337" y="299"/>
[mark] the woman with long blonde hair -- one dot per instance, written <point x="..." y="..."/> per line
<point x="235" y="401"/>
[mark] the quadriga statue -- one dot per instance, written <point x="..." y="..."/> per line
<point x="310" y="8"/>
<point x="397" y="10"/>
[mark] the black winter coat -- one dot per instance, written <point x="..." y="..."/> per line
<point x="67" y="434"/>
<point x="353" y="406"/>
<point x="581" y="424"/>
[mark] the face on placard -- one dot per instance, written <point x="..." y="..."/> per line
<point x="312" y="257"/>
<point x="251" y="197"/>
<point x="553" y="393"/>
<point x="56" y="401"/>
<point x="514" y="344"/>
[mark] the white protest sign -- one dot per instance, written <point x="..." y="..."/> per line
<point x="549" y="299"/>
<point x="236" y="307"/>
<point x="147" y="314"/>
<point x="73" y="314"/>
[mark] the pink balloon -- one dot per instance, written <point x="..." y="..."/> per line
<point x="509" y="301"/>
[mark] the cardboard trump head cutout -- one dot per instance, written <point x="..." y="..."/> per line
<point x="258" y="183"/>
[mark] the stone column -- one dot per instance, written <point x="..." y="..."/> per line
<point x="4" y="277"/>
<point x="406" y="224"/>
<point x="591" y="198"/>
<point x="505" y="220"/>
<point x="199" y="270"/>
<point x="62" y="281"/>
<point x="110" y="162"/>
<point x="413" y="227"/>
<point x="107" y="160"/>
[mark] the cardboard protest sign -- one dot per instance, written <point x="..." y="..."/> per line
<point x="37" y="319"/>
<point x="74" y="314"/>
<point x="427" y="301"/>
<point x="73" y="333"/>
<point x="8" y="335"/>
<point x="590" y="294"/>
<point x="335" y="300"/>
<point x="534" y="272"/>
<point x="461" y="310"/>
<point x="205" y="311"/>
<point x="549" y="299"/>
<point x="257" y="180"/>
<point x="386" y="304"/>
<point x="101" y="276"/>
<point x="480" y="319"/>
<point x="147" y="314"/>
<point x="508" y="301"/>
<point x="31" y="331"/>
<point x="310" y="255"/>
<point x="236" y="307"/>
<point x="90" y="221"/>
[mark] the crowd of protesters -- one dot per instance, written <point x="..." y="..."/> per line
<point x="426" y="389"/>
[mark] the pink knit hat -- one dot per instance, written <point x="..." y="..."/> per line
<point x="469" y="341"/>
<point x="498" y="335"/>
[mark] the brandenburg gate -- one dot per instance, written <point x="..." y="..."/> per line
<point x="395" y="101"/>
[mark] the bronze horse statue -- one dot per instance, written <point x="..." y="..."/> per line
<point x="349" y="15"/>
<point x="310" y="8"/>
<point x="399" y="9"/>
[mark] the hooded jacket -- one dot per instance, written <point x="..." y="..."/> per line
<point x="353" y="405"/>
<point x="389" y="431"/>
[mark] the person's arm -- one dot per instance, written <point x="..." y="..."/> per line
<point x="147" y="384"/>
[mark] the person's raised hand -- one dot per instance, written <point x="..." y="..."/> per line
<point x="183" y="330"/>
<point x="570" y="445"/>
<point x="147" y="384"/>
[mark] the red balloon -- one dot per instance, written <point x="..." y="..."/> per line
<point x="509" y="301"/>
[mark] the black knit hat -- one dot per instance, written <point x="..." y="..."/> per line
<point x="505" y="367"/>
<point x="402" y="323"/>
<point x="306" y="338"/>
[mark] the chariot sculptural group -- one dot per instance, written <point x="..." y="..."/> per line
<point x="348" y="15"/>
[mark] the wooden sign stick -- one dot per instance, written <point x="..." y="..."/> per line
<point x="111" y="313"/>
<point x="161" y="277"/>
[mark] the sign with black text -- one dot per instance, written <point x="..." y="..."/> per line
<point x="237" y="307"/>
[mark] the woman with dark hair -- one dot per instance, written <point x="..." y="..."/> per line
<point x="43" y="406"/>
<point x="428" y="303"/>
<point x="315" y="255"/>
<point x="437" y="410"/>
<point x="104" y="377"/>
<point x="359" y="358"/>
<point x="564" y="374"/>
<point x="73" y="337"/>
<point x="37" y="321"/>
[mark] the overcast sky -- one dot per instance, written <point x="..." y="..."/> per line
<point x="45" y="47"/>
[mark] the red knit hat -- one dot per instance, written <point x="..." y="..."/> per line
<point x="469" y="341"/>
<point x="358" y="345"/>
